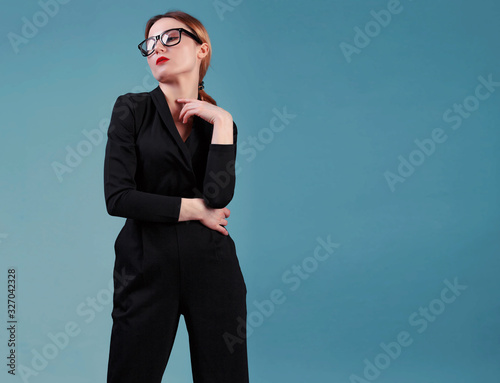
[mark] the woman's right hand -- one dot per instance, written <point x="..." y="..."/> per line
<point x="196" y="209"/>
<point x="215" y="218"/>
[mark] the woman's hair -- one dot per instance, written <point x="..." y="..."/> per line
<point x="199" y="30"/>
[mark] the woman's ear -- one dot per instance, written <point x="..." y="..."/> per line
<point x="203" y="51"/>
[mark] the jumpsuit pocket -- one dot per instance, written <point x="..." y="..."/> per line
<point x="223" y="245"/>
<point x="129" y="249"/>
<point x="127" y="272"/>
<point x="225" y="251"/>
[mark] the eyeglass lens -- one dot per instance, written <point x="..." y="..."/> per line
<point x="167" y="39"/>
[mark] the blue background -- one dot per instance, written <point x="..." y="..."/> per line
<point x="323" y="175"/>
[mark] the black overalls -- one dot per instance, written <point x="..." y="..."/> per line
<point x="163" y="267"/>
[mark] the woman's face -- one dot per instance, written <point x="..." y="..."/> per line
<point x="182" y="58"/>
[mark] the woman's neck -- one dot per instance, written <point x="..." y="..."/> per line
<point x="174" y="91"/>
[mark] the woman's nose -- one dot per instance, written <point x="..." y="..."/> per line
<point x="160" y="47"/>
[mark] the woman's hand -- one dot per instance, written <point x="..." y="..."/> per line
<point x="216" y="219"/>
<point x="220" y="118"/>
<point x="209" y="112"/>
<point x="196" y="209"/>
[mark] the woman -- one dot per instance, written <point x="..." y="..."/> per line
<point x="169" y="169"/>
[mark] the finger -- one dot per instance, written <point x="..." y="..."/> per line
<point x="187" y="112"/>
<point x="187" y="116"/>
<point x="183" y="111"/>
<point x="220" y="229"/>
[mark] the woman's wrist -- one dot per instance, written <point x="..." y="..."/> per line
<point x="191" y="209"/>
<point x="223" y="130"/>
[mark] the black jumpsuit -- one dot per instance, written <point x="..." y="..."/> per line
<point x="164" y="268"/>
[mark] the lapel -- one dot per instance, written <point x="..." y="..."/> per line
<point x="165" y="114"/>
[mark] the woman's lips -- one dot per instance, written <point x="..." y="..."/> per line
<point x="161" y="59"/>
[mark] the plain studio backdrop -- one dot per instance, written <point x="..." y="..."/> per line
<point x="365" y="216"/>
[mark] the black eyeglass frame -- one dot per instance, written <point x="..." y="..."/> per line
<point x="160" y="37"/>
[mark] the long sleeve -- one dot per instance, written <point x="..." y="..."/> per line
<point x="120" y="164"/>
<point x="220" y="179"/>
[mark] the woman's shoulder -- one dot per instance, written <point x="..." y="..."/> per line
<point x="136" y="96"/>
<point x="135" y="100"/>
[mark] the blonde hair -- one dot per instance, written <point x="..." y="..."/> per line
<point x="199" y="30"/>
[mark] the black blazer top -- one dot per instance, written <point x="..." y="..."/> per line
<point x="148" y="168"/>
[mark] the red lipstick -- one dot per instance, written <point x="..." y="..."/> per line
<point x="161" y="59"/>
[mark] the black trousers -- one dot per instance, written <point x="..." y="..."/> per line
<point x="194" y="271"/>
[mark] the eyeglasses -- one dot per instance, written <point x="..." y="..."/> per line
<point x="168" y="38"/>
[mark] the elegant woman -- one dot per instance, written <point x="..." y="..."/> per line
<point x="169" y="169"/>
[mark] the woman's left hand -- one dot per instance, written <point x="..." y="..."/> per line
<point x="203" y="109"/>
